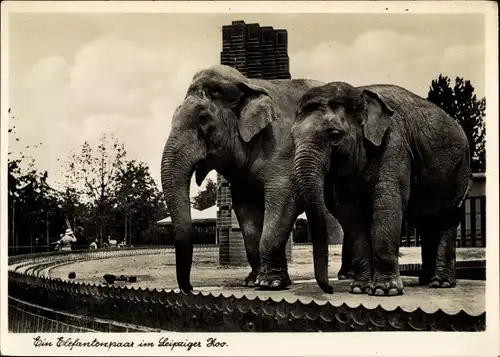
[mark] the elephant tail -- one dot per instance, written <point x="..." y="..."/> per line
<point x="466" y="193"/>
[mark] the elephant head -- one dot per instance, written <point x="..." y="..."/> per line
<point x="334" y="124"/>
<point x="222" y="111"/>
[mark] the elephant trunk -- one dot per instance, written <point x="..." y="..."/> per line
<point x="179" y="160"/>
<point x="311" y="165"/>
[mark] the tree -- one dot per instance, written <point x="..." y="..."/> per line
<point x="207" y="197"/>
<point x="139" y="203"/>
<point x="461" y="104"/>
<point x="92" y="175"/>
<point x="18" y="163"/>
<point x="101" y="193"/>
<point x="32" y="203"/>
<point x="77" y="212"/>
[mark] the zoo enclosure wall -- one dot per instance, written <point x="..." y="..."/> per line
<point x="38" y="303"/>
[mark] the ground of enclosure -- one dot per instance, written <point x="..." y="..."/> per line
<point x="158" y="271"/>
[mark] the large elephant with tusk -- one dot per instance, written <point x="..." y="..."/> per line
<point x="241" y="128"/>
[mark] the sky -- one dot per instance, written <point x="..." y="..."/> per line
<point x="75" y="76"/>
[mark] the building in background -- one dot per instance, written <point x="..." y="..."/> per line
<point x="256" y="51"/>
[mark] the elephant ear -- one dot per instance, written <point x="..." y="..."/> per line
<point x="378" y="117"/>
<point x="257" y="112"/>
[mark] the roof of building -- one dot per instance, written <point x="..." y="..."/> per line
<point x="208" y="214"/>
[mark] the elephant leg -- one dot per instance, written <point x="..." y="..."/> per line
<point x="439" y="250"/>
<point x="444" y="275"/>
<point x="361" y="262"/>
<point x="346" y="270"/>
<point x="250" y="215"/>
<point x="445" y="271"/>
<point x="279" y="217"/>
<point x="390" y="199"/>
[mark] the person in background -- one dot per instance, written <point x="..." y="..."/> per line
<point x="66" y="240"/>
<point x="93" y="245"/>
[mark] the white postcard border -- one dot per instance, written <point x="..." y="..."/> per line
<point x="283" y="344"/>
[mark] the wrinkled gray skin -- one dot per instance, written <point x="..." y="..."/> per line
<point x="374" y="156"/>
<point x="241" y="128"/>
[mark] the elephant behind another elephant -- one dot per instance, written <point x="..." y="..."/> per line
<point x="239" y="127"/>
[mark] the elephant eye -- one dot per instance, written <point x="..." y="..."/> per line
<point x="310" y="107"/>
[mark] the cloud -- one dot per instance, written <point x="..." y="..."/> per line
<point x="111" y="75"/>
<point x="115" y="85"/>
<point x="384" y="56"/>
<point x="112" y="86"/>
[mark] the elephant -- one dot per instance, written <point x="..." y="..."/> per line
<point x="375" y="156"/>
<point x="241" y="128"/>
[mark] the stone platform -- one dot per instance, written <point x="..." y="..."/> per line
<point x="157" y="271"/>
<point x="468" y="295"/>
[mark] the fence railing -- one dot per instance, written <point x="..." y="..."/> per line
<point x="91" y="254"/>
<point x="470" y="233"/>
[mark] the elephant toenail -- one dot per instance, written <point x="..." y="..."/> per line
<point x="393" y="292"/>
<point x="434" y="284"/>
<point x="446" y="284"/>
<point x="357" y="290"/>
<point x="379" y="292"/>
<point x="275" y="284"/>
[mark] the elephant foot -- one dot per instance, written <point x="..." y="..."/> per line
<point x="345" y="274"/>
<point x="442" y="281"/>
<point x="250" y="279"/>
<point x="273" y="279"/>
<point x="359" y="287"/>
<point x="391" y="287"/>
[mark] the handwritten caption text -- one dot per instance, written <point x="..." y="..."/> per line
<point x="165" y="342"/>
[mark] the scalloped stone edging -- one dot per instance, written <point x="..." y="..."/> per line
<point x="203" y="312"/>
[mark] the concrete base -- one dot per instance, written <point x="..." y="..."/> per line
<point x="468" y="295"/>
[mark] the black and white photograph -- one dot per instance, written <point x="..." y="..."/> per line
<point x="177" y="175"/>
